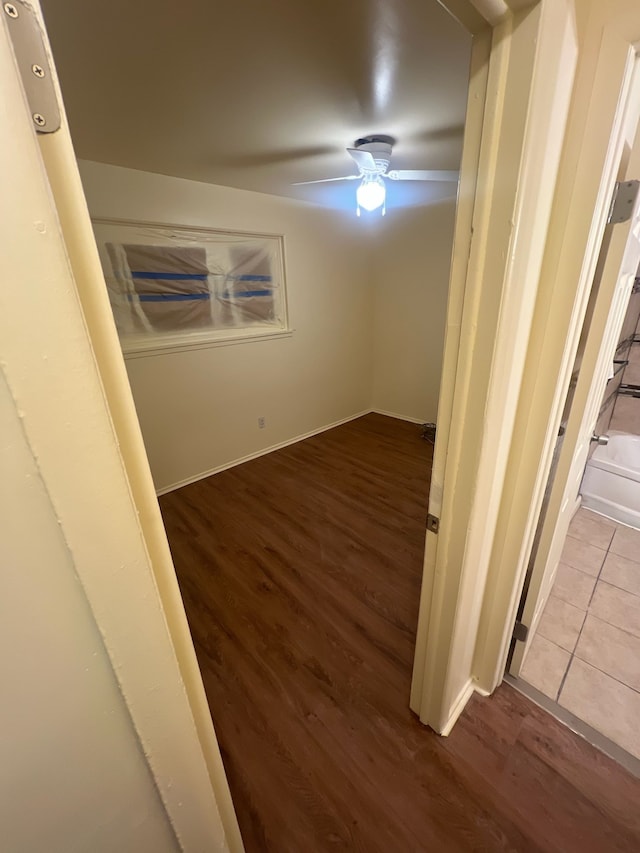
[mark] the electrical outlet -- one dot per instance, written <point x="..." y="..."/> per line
<point x="262" y="423"/>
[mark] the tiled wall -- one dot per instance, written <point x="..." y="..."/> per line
<point x="626" y="412"/>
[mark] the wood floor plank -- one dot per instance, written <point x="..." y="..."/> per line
<point x="300" y="572"/>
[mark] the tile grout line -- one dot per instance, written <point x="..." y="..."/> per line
<point x="611" y="625"/>
<point x="586" y="613"/>
<point x="608" y="674"/>
<point x="593" y="591"/>
<point x="615" y="586"/>
<point x="597" y="579"/>
<point x="578" y="569"/>
<point x="571" y="657"/>
<point x="564" y="677"/>
<point x="604" y="621"/>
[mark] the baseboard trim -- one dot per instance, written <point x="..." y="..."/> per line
<point x="458" y="707"/>
<point x="398" y="417"/>
<point x="224" y="467"/>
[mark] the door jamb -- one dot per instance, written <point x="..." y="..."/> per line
<point x="605" y="324"/>
<point x="487" y="331"/>
<point x="474" y="125"/>
<point x="571" y="256"/>
<point x="608" y="314"/>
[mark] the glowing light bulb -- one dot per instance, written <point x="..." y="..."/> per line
<point x="371" y="194"/>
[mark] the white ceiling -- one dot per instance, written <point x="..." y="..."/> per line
<point x="258" y="94"/>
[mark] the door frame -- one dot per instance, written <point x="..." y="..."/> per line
<point x="511" y="157"/>
<point x="591" y="158"/>
<point x="617" y="267"/>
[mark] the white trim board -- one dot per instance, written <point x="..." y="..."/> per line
<point x="491" y="302"/>
<point x="399" y="417"/>
<point x="457" y="707"/>
<point x="469" y="689"/>
<point x="187" y="346"/>
<point x="219" y="468"/>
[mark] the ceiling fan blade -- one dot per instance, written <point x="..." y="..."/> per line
<point x="422" y="175"/>
<point x="327" y="180"/>
<point x="362" y="159"/>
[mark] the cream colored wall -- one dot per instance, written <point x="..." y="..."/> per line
<point x="411" y="260"/>
<point x="73" y="774"/>
<point x="199" y="409"/>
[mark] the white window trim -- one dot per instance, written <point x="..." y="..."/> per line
<point x="153" y="345"/>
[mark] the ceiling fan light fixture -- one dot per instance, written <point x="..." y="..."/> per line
<point x="371" y="193"/>
<point x="372" y="156"/>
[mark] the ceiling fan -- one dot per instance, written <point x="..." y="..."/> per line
<point x="372" y="155"/>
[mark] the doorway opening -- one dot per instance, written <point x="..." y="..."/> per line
<point x="584" y="654"/>
<point x="579" y="654"/>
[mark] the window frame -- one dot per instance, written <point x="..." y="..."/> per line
<point x="150" y="344"/>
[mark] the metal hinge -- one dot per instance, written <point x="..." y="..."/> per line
<point x="33" y="65"/>
<point x="433" y="523"/>
<point x="520" y="632"/>
<point x="625" y="194"/>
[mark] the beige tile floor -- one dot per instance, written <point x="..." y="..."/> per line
<point x="585" y="654"/>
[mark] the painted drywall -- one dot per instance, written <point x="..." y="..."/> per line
<point x="199" y="409"/>
<point x="411" y="260"/>
<point x="73" y="774"/>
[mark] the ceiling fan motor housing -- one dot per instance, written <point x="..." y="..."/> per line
<point x="379" y="148"/>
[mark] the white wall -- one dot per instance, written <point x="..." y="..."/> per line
<point x="411" y="261"/>
<point x="199" y="409"/>
<point x="73" y="775"/>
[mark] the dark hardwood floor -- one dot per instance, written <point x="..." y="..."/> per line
<point x="300" y="573"/>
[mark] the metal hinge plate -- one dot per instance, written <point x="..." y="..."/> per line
<point x="33" y="64"/>
<point x="520" y="632"/>
<point x="624" y="199"/>
<point x="433" y="523"/>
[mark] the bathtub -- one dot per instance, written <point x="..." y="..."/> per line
<point x="611" y="482"/>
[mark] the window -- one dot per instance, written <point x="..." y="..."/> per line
<point x="174" y="287"/>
